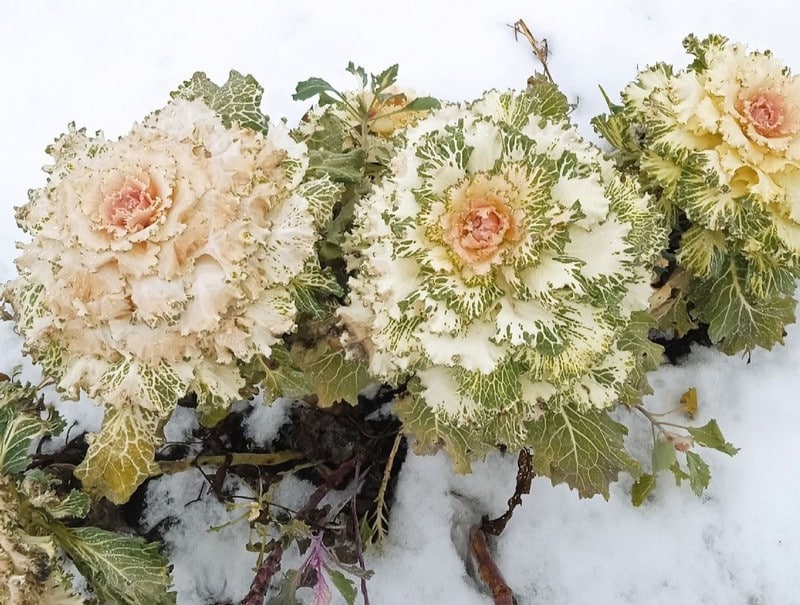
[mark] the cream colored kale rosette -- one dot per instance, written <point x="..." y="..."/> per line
<point x="505" y="266"/>
<point x="160" y="261"/>
<point x="719" y="144"/>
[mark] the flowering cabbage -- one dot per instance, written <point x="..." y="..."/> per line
<point x="719" y="144"/>
<point x="504" y="264"/>
<point x="161" y="260"/>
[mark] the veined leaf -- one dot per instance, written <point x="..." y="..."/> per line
<point x="422" y="104"/>
<point x="238" y="100"/>
<point x="75" y="505"/>
<point x="550" y="101"/>
<point x="583" y="449"/>
<point x="345" y="586"/>
<point x="386" y="78"/>
<point x="737" y="322"/>
<point x="281" y="377"/>
<point x="711" y="436"/>
<point x="121" y="456"/>
<point x="335" y="378"/>
<point x="120" y="569"/>
<point x="17" y="430"/>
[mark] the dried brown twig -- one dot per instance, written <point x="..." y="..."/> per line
<point x="540" y="49"/>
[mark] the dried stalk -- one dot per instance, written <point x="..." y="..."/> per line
<point x="540" y="49"/>
<point x="487" y="569"/>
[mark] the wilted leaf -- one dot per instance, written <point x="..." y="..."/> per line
<point x="121" y="456"/>
<point x="689" y="402"/>
<point x="642" y="488"/>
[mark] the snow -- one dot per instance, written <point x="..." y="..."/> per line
<point x="106" y="64"/>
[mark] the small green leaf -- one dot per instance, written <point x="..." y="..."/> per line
<point x="699" y="473"/>
<point x="422" y="104"/>
<point x="663" y="456"/>
<point x="120" y="569"/>
<point x="345" y="586"/>
<point x="287" y="591"/>
<point x="358" y="72"/>
<point x="711" y="436"/>
<point x="281" y="377"/>
<point x="311" y="88"/>
<point x="642" y="488"/>
<point x="385" y="79"/>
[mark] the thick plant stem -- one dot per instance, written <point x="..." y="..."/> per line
<point x="169" y="467"/>
<point x="260" y="584"/>
<point x="488" y="571"/>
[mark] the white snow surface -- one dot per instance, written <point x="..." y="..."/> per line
<point x="107" y="64"/>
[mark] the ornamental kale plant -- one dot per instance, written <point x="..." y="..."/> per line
<point x="163" y="260"/>
<point x="504" y="266"/>
<point x="718" y="144"/>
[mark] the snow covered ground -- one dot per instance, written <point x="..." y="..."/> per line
<point x="107" y="64"/>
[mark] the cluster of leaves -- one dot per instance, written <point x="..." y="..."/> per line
<point x="40" y="515"/>
<point x="667" y="444"/>
<point x="716" y="144"/>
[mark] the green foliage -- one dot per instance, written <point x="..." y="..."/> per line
<point x="334" y="377"/>
<point x="711" y="436"/>
<point x="238" y="100"/>
<point x="738" y="321"/>
<point x="583" y="449"/>
<point x="120" y="569"/>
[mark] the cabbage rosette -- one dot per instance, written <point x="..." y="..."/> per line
<point x="719" y="144"/>
<point x="160" y="261"/>
<point x="504" y="266"/>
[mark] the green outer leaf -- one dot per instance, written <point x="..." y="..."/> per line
<point x="120" y="569"/>
<point x="642" y="488"/>
<point x="583" y="449"/>
<point x="17" y="430"/>
<point x="711" y="436"/>
<point x="736" y="322"/>
<point x="76" y="505"/>
<point x="422" y="104"/>
<point x="335" y="377"/>
<point x="238" y="100"/>
<point x="699" y="473"/>
<point x="311" y="88"/>
<point x="345" y="586"/>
